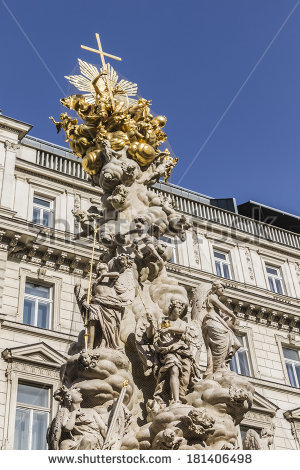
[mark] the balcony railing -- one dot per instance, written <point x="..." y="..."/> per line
<point x="203" y="211"/>
<point x="235" y="221"/>
<point x="60" y="164"/>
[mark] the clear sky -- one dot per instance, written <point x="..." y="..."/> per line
<point x="226" y="73"/>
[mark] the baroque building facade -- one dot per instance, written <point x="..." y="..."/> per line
<point x="42" y="259"/>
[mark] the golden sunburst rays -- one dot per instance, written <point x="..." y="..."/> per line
<point x="122" y="89"/>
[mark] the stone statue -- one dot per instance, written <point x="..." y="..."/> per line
<point x="167" y="440"/>
<point x="218" y="332"/>
<point x="199" y="424"/>
<point x="111" y="292"/>
<point x="169" y="340"/>
<point x="75" y="428"/>
<point x="262" y="441"/>
<point x="173" y="354"/>
<point x="138" y="325"/>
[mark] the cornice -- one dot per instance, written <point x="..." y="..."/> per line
<point x="275" y="386"/>
<point x="46" y="250"/>
<point x="13" y="125"/>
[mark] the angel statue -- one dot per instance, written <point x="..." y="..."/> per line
<point x="174" y="345"/>
<point x="111" y="292"/>
<point x="217" y="328"/>
<point x="75" y="428"/>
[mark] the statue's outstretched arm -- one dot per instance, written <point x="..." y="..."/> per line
<point x="112" y="275"/>
<point x="176" y="329"/>
<point x="222" y="307"/>
<point x="94" y="83"/>
<point x="150" y="329"/>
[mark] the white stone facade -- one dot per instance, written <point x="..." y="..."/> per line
<point x="51" y="256"/>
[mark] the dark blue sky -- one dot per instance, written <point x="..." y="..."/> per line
<point x="190" y="58"/>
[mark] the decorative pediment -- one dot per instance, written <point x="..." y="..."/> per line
<point x="261" y="413"/>
<point x="263" y="405"/>
<point x="39" y="354"/>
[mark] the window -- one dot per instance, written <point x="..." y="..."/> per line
<point x="292" y="363"/>
<point x="240" y="362"/>
<point x="42" y="211"/>
<point x="274" y="279"/>
<point x="37" y="305"/>
<point x="32" y="417"/>
<point x="222" y="264"/>
<point x="170" y="241"/>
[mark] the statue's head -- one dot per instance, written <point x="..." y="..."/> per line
<point x="66" y="396"/>
<point x="177" y="307"/>
<point x="101" y="268"/>
<point x="169" y="436"/>
<point x="64" y="116"/>
<point x="141" y="224"/>
<point x="199" y="422"/>
<point x="218" y="287"/>
<point x="124" y="260"/>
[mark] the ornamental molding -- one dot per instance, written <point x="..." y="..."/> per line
<point x="195" y="239"/>
<point x="263" y="405"/>
<point x="249" y="263"/>
<point x="262" y="412"/>
<point x="292" y="414"/>
<point x="11" y="145"/>
<point x="24" y="249"/>
<point x="267" y="316"/>
<point x="10" y="129"/>
<point x="36" y="356"/>
<point x="34" y="370"/>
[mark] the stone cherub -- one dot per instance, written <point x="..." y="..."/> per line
<point x="110" y="293"/>
<point x="145" y="244"/>
<point x="198" y="424"/>
<point x="75" y="428"/>
<point x="168" y="439"/>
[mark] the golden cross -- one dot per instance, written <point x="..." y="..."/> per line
<point x="102" y="54"/>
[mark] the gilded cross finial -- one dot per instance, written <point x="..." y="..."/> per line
<point x="102" y="57"/>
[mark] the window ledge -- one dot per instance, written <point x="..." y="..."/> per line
<point x="35" y="330"/>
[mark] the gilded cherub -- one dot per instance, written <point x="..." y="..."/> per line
<point x="67" y="123"/>
<point x="141" y="111"/>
